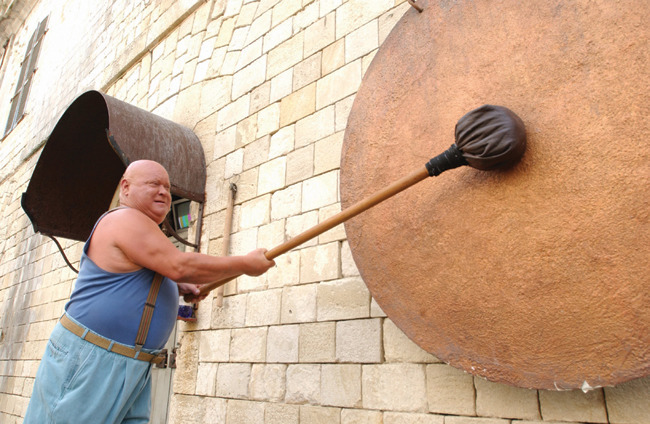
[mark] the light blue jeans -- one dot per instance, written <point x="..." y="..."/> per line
<point x="78" y="382"/>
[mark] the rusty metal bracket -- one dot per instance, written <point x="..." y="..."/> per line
<point x="170" y="229"/>
<point x="170" y="359"/>
<point x="415" y="5"/>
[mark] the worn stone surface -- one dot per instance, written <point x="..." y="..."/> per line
<point x="394" y="387"/>
<point x="492" y="293"/>
<point x="450" y="391"/>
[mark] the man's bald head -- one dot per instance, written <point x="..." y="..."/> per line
<point x="145" y="186"/>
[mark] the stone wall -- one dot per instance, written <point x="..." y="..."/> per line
<point x="267" y="86"/>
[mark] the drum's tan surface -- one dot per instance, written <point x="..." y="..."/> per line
<point x="538" y="276"/>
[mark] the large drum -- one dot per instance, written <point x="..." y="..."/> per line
<point x="539" y="275"/>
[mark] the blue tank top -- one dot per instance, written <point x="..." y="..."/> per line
<point x="111" y="303"/>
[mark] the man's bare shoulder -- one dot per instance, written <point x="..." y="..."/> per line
<point x="125" y="215"/>
<point x="125" y="221"/>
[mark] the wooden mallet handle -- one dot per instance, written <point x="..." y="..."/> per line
<point x="489" y="137"/>
<point x="333" y="221"/>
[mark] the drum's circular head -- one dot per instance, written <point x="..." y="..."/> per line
<point x="538" y="275"/>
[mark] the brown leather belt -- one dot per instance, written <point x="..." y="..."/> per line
<point x="104" y="343"/>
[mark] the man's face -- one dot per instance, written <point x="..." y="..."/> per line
<point x="147" y="189"/>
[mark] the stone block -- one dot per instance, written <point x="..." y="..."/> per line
<point x="303" y="383"/>
<point x="399" y="348"/>
<point x="232" y="8"/>
<point x="246" y="131"/>
<point x="244" y="412"/>
<point x="300" y="223"/>
<point x="334" y="234"/>
<point x="297" y="105"/>
<point x="286" y="272"/>
<point x="412" y="418"/>
<point x="298" y="304"/>
<point x="277" y="35"/>
<point x="348" y="266"/>
<point x="338" y="84"/>
<point x="238" y="39"/>
<point x="361" y="41"/>
<point x="333" y="57"/>
<point x="234" y="163"/>
<point x="281" y="413"/>
<point x="263" y="307"/>
<point x="282" y="142"/>
<point x="249" y="77"/>
<point x="243" y="242"/>
<point x="388" y="20"/>
<point x="248" y="345"/>
<point x="215" y="94"/>
<point x="343" y="299"/>
<point x="320" y="191"/>
<point x="247" y="283"/>
<point x="359" y="341"/>
<point x="285" y="55"/>
<point x="272" y="175"/>
<point x="307" y="16"/>
<point x="472" y="420"/>
<point x="246" y="185"/>
<point x="284" y="10"/>
<point x="206" y="379"/>
<point x="271" y="235"/>
<point x="246" y="14"/>
<point x="573" y="405"/>
<point x="231" y="314"/>
<point x="394" y="387"/>
<point x="268" y="120"/>
<point x="224" y="142"/>
<point x="233" y="112"/>
<point x="500" y="400"/>
<point x="319" y="415"/>
<point x="230" y="61"/>
<point x="307" y="71"/>
<point x="315" y="127"/>
<point x="256" y="212"/>
<point x="629" y="403"/>
<point x="449" y="390"/>
<point x="214" y="410"/>
<point x="214" y="346"/>
<point x="320" y="263"/>
<point x="281" y="86"/>
<point x="360" y="416"/>
<point x="232" y="380"/>
<point x="250" y="59"/>
<point x="256" y="153"/>
<point x="260" y="26"/>
<point x="317" y="342"/>
<point x="260" y="97"/>
<point x="286" y="203"/>
<point x="268" y="382"/>
<point x="355" y="13"/>
<point x="180" y="406"/>
<point x="341" y="385"/>
<point x="282" y="344"/>
<point x="327" y="153"/>
<point x="300" y="165"/>
<point x="320" y="34"/>
<point x="186" y="361"/>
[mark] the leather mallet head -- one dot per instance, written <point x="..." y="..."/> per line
<point x="490" y="137"/>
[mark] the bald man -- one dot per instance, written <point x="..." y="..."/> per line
<point x="97" y="364"/>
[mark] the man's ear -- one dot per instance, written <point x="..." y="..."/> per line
<point x="124" y="187"/>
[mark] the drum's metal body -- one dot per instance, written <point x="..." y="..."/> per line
<point x="537" y="276"/>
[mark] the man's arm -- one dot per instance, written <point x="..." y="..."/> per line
<point x="127" y="239"/>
